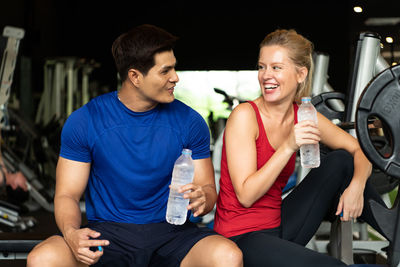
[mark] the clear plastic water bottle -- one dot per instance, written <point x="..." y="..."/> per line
<point x="181" y="175"/>
<point x="309" y="154"/>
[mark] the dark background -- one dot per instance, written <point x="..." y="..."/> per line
<point x="214" y="35"/>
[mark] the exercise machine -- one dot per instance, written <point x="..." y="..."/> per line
<point x="371" y="112"/>
<point x="62" y="93"/>
<point x="10" y="214"/>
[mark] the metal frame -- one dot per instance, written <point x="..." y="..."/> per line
<point x="9" y="60"/>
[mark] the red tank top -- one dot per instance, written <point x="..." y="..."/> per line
<point x="231" y="218"/>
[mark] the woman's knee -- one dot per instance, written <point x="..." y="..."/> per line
<point x="340" y="161"/>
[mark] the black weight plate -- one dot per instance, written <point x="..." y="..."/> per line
<point x="381" y="99"/>
<point x="382" y="182"/>
<point x="321" y="104"/>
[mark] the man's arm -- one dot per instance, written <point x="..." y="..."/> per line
<point x="72" y="177"/>
<point x="71" y="181"/>
<point x="203" y="194"/>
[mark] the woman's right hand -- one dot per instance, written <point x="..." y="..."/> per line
<point x="80" y="241"/>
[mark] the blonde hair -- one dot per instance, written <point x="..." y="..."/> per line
<point x="300" y="52"/>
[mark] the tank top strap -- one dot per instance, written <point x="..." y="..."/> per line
<point x="259" y="120"/>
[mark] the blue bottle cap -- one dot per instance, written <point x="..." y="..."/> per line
<point x="186" y="151"/>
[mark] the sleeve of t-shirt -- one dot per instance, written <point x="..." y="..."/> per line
<point x="74" y="137"/>
<point x="198" y="137"/>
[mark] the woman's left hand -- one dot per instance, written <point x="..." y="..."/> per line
<point x="197" y="198"/>
<point x="351" y="202"/>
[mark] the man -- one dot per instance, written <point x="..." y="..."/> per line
<point x="122" y="147"/>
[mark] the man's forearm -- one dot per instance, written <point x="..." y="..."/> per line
<point x="67" y="213"/>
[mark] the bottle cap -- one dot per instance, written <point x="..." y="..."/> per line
<point x="305" y="99"/>
<point x="187" y="151"/>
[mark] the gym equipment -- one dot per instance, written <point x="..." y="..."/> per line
<point x="13" y="36"/>
<point x="8" y="62"/>
<point x="10" y="216"/>
<point x="320" y="86"/>
<point x="9" y="213"/>
<point x="61" y="77"/>
<point x="16" y="249"/>
<point x="327" y="101"/>
<point x="19" y="158"/>
<point x="323" y="103"/>
<point x="368" y="64"/>
<point x="375" y="104"/>
<point x="35" y="187"/>
<point x="381" y="99"/>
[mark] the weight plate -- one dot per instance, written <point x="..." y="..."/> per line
<point x="381" y="99"/>
<point x="321" y="104"/>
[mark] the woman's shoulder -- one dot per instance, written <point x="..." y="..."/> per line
<point x="243" y="114"/>
<point x="242" y="122"/>
<point x="244" y="110"/>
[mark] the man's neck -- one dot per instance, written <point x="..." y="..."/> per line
<point x="130" y="97"/>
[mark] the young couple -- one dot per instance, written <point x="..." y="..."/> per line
<point x="120" y="149"/>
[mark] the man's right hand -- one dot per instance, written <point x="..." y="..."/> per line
<point x="80" y="241"/>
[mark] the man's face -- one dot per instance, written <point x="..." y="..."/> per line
<point x="158" y="85"/>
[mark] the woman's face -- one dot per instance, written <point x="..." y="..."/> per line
<point x="278" y="75"/>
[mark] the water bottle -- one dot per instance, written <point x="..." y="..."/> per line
<point x="181" y="175"/>
<point x="309" y="154"/>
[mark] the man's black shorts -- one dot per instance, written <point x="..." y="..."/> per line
<point x="156" y="244"/>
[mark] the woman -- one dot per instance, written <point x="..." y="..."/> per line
<point x="260" y="144"/>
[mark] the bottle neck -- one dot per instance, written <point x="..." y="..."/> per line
<point x="306" y="100"/>
<point x="186" y="152"/>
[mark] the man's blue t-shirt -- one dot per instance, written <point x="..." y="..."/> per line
<point x="131" y="154"/>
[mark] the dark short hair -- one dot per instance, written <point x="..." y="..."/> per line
<point x="136" y="48"/>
